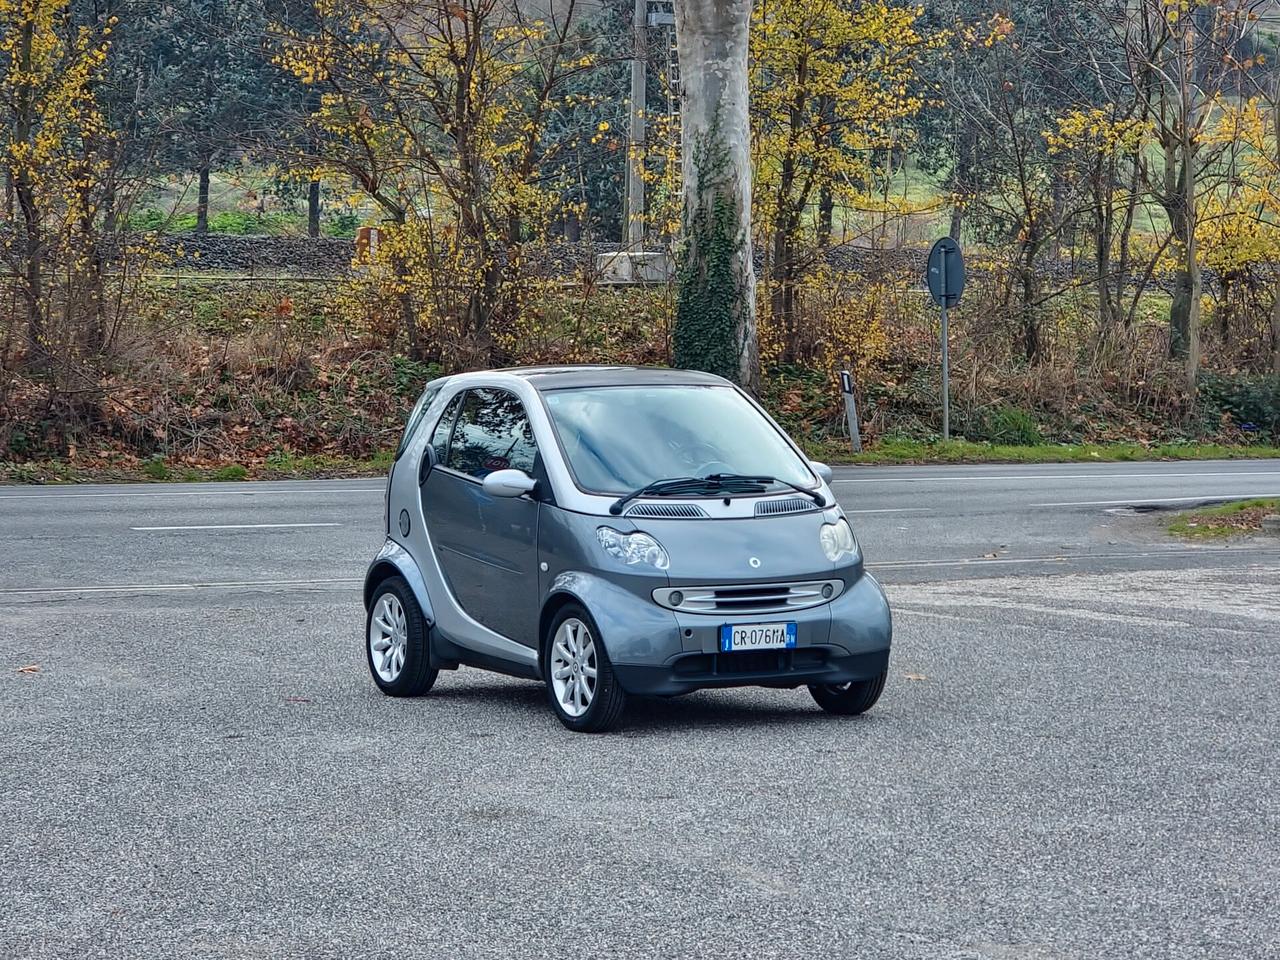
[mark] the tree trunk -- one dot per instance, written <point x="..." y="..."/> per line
<point x="1030" y="312"/>
<point x="960" y="180"/>
<point x="408" y="313"/>
<point x="716" y="313"/>
<point x="826" y="215"/>
<point x="826" y="198"/>
<point x="313" y="209"/>
<point x="24" y="190"/>
<point x="1121" y="278"/>
<point x="38" y="356"/>
<point x="1184" y="315"/>
<point x="782" y="299"/>
<point x="1275" y="332"/>
<point x="202" y="200"/>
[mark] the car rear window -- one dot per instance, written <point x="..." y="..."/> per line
<point x="415" y="417"/>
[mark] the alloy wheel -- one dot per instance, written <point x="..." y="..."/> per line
<point x="388" y="637"/>
<point x="573" y="667"/>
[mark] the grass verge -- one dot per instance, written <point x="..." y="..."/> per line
<point x="966" y="451"/>
<point x="1228" y="520"/>
<point x="159" y="470"/>
<point x="284" y="466"/>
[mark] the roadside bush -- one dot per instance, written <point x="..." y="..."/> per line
<point x="1252" y="401"/>
<point x="805" y="401"/>
<point x="1005" y="424"/>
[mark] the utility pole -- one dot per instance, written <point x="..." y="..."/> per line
<point x="633" y="230"/>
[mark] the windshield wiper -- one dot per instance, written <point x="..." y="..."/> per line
<point x="813" y="495"/>
<point x="718" y="483"/>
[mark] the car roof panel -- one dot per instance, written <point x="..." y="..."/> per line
<point x="599" y="375"/>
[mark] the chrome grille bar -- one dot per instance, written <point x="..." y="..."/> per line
<point x="749" y="597"/>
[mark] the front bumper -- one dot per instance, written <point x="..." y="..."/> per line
<point x="763" y="668"/>
<point x="659" y="652"/>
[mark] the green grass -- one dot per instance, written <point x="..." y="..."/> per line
<point x="284" y="465"/>
<point x="965" y="451"/>
<point x="1227" y="520"/>
<point x="276" y="467"/>
<point x="156" y="469"/>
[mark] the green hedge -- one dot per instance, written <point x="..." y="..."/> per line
<point x="1251" y="400"/>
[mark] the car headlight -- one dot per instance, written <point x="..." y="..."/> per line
<point x="838" y="540"/>
<point x="633" y="548"/>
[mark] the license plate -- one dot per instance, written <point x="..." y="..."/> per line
<point x="757" y="636"/>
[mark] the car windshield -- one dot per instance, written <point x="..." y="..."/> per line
<point x="618" y="439"/>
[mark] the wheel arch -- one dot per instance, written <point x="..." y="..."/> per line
<point x="556" y="601"/>
<point x="630" y="627"/>
<point x="393" y="560"/>
<point x="379" y="572"/>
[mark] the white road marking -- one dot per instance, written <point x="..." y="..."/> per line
<point x="170" y="587"/>
<point x="1237" y="474"/>
<point x="1064" y="557"/>
<point x="894" y="510"/>
<point x="1140" y="502"/>
<point x="352" y="581"/>
<point x="295" y="492"/>
<point x="237" y="526"/>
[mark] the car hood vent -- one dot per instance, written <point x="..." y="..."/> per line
<point x="770" y="508"/>
<point x="673" y="511"/>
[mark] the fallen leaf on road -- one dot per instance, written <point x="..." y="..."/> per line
<point x="30" y="668"/>
<point x="990" y="556"/>
<point x="915" y="676"/>
<point x="297" y="699"/>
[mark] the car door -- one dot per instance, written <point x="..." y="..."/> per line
<point x="487" y="546"/>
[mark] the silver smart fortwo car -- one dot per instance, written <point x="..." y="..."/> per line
<point x="616" y="531"/>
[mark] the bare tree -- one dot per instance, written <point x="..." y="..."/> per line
<point x="1181" y="60"/>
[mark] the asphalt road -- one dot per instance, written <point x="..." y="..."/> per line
<point x="1076" y="755"/>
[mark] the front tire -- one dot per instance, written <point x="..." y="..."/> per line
<point x="396" y="641"/>
<point x="582" y="688"/>
<point x="849" y="699"/>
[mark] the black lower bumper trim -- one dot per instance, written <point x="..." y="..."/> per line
<point x="765" y="668"/>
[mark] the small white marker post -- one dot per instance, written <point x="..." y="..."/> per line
<point x="851" y="410"/>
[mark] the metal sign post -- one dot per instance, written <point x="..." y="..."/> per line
<point x="851" y="410"/>
<point x="945" y="277"/>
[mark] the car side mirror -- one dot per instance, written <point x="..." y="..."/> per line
<point x="508" y="483"/>
<point x="822" y="470"/>
<point x="426" y="464"/>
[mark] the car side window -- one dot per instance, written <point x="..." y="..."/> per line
<point x="493" y="433"/>
<point x="440" y="437"/>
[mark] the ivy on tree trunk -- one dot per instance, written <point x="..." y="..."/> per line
<point x="715" y="327"/>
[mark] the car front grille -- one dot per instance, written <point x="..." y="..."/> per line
<point x="749" y="597"/>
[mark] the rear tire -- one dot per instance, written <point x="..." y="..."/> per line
<point x="582" y="688"/>
<point x="397" y="641"/>
<point x="849" y="699"/>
